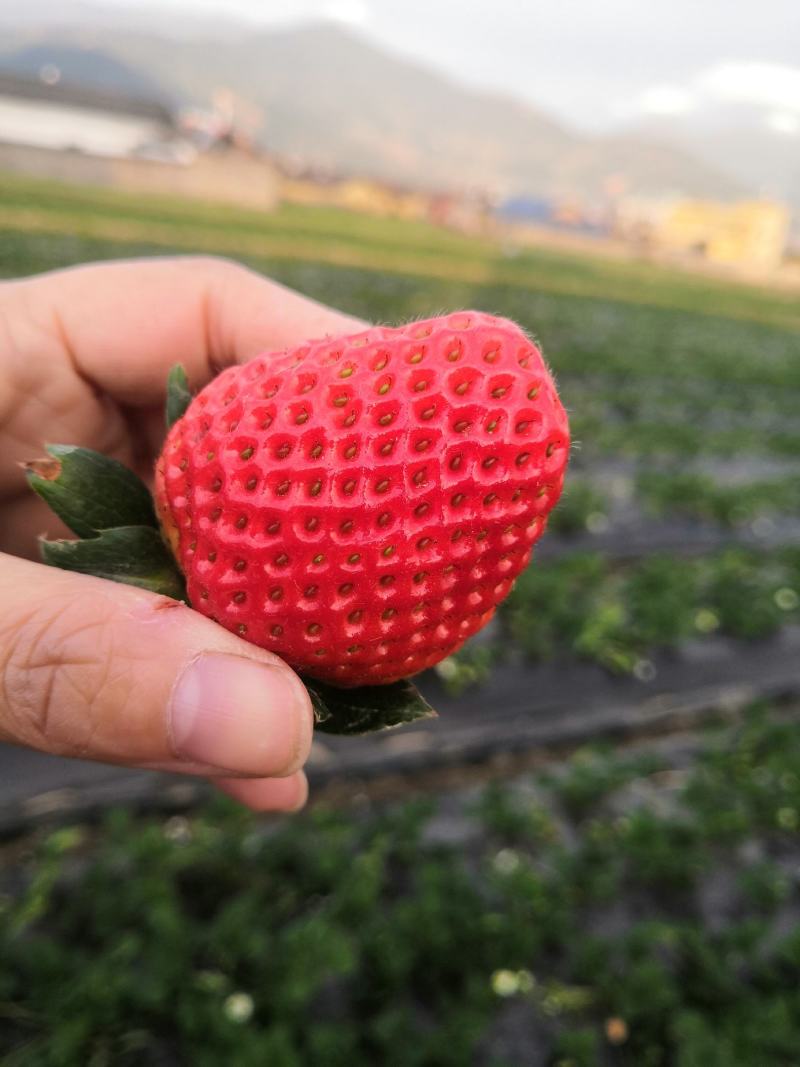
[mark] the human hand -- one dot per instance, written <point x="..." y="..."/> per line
<point x="102" y="671"/>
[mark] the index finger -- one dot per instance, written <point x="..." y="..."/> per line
<point x="124" y="324"/>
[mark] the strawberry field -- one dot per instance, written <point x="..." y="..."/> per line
<point x="631" y="907"/>
<point x="636" y="904"/>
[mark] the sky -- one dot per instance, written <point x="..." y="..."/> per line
<point x="597" y="64"/>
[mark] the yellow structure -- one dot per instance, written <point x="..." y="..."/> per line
<point x="375" y="198"/>
<point x="358" y="194"/>
<point x="749" y="235"/>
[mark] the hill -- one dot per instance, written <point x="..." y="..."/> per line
<point x="88" y="67"/>
<point x="332" y="98"/>
<point x="747" y="141"/>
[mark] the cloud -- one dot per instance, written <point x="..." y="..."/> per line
<point x="773" y="89"/>
<point x="770" y="85"/>
<point x="784" y="122"/>
<point x="667" y="100"/>
<point x="351" y="12"/>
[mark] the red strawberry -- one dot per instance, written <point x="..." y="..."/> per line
<point x="360" y="505"/>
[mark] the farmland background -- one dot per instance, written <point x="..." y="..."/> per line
<point x="587" y="894"/>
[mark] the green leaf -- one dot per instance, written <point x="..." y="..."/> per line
<point x="90" y="492"/>
<point x="178" y="395"/>
<point x="369" y="708"/>
<point x="133" y="555"/>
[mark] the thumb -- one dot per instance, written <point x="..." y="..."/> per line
<point x="108" y="672"/>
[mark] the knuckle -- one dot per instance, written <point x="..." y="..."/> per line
<point x="54" y="664"/>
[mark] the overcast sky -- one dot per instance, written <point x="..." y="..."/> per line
<point x="595" y="63"/>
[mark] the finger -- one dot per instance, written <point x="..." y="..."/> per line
<point x="25" y="518"/>
<point x="267" y="794"/>
<point x="124" y="324"/>
<point x="102" y="671"/>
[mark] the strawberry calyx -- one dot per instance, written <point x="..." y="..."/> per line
<point x="110" y="510"/>
<point x="90" y="492"/>
<point x="179" y="396"/>
<point x="366" y="708"/>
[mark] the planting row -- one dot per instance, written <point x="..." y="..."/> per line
<point x="616" y="615"/>
<point x="622" y="908"/>
<point x="591" y="503"/>
<point x="73" y="215"/>
<point x="638" y="380"/>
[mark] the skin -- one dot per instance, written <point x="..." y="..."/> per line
<point x="97" y="670"/>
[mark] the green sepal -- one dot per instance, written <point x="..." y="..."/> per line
<point x="178" y="395"/>
<point x="90" y="492"/>
<point x="133" y="555"/>
<point x="366" y="709"/>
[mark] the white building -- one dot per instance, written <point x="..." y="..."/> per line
<point x="89" y="137"/>
<point x="61" y="117"/>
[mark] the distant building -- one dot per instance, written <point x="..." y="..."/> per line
<point x="750" y="234"/>
<point x="368" y="195"/>
<point x="86" y="136"/>
<point x="381" y="198"/>
<point x="62" y="117"/>
<point x="466" y="212"/>
<point x="525" y="216"/>
<point x="526" y="210"/>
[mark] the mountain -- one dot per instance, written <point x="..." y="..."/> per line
<point x="51" y="17"/>
<point x="329" y="97"/>
<point x="88" y="67"/>
<point x="757" y="145"/>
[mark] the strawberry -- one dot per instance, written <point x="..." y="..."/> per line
<point x="361" y="505"/>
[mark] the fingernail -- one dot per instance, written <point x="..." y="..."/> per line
<point x="301" y="798"/>
<point x="267" y="794"/>
<point x="239" y="715"/>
